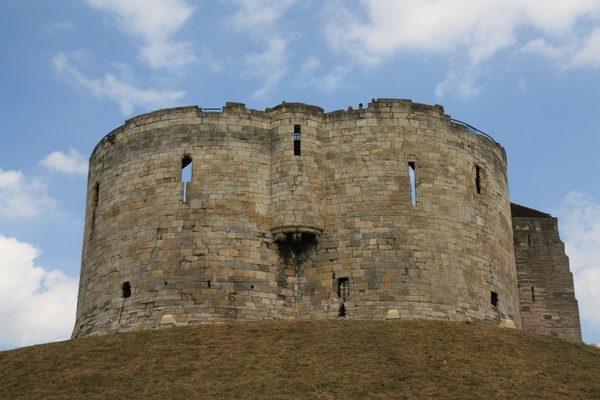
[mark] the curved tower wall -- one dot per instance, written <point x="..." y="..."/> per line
<point x="265" y="233"/>
<point x="443" y="256"/>
<point x="296" y="168"/>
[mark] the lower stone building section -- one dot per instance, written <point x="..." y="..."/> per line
<point x="546" y="290"/>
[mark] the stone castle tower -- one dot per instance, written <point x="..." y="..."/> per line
<point x="294" y="213"/>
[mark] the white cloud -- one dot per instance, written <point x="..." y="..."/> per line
<point x="469" y="32"/>
<point x="579" y="219"/>
<point x="36" y="305"/>
<point x="154" y="23"/>
<point x="259" y="19"/>
<point x="546" y="50"/>
<point x="22" y="197"/>
<point x="73" y="163"/>
<point x="461" y="82"/>
<point x="573" y="54"/>
<point x="120" y="89"/>
<point x="326" y="83"/>
<point x="480" y="27"/>
<point x="588" y="55"/>
<point x="269" y="66"/>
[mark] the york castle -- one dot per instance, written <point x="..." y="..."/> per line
<point x="393" y="210"/>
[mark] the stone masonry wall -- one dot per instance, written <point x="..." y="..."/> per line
<point x="547" y="296"/>
<point x="441" y="257"/>
<point x="268" y="230"/>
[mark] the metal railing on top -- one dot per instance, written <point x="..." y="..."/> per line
<point x="474" y="130"/>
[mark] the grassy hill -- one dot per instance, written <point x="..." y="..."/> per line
<point x="306" y="360"/>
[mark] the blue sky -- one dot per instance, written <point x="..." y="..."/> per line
<point x="527" y="72"/>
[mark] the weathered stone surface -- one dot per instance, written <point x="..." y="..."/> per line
<point x="546" y="293"/>
<point x="267" y="233"/>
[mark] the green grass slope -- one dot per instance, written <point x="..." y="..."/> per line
<point x="306" y="360"/>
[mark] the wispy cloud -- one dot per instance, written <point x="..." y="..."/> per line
<point x="21" y="197"/>
<point x="324" y="82"/>
<point x="72" y="163"/>
<point x="260" y="20"/>
<point x="270" y="66"/>
<point x="472" y="31"/>
<point x="258" y="17"/>
<point x="154" y="23"/>
<point x="119" y="88"/>
<point x="61" y="26"/>
<point x="588" y="54"/>
<point x="462" y="82"/>
<point x="576" y="53"/>
<point x="579" y="219"/>
<point x="36" y="305"/>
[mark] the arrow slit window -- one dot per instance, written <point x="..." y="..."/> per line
<point x="412" y="175"/>
<point x="186" y="174"/>
<point x="297" y="140"/>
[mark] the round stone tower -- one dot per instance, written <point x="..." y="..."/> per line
<point x="203" y="216"/>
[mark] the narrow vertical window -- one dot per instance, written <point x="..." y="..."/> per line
<point x="494" y="299"/>
<point x="478" y="179"/>
<point x="96" y="194"/>
<point x="343" y="288"/>
<point x="95" y="204"/>
<point x="186" y="174"/>
<point x="297" y="138"/>
<point x="532" y="294"/>
<point x="412" y="174"/>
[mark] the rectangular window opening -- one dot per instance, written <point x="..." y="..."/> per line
<point x="126" y="288"/>
<point x="343" y="290"/>
<point x="186" y="174"/>
<point x="96" y="194"/>
<point x="95" y="204"/>
<point x="494" y="299"/>
<point x="412" y="170"/>
<point x="532" y="294"/>
<point x="297" y="140"/>
<point x="478" y="179"/>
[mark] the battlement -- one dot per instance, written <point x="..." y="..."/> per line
<point x="195" y="114"/>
